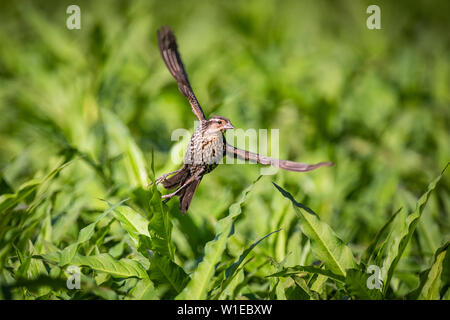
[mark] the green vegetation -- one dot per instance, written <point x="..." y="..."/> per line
<point x="86" y="123"/>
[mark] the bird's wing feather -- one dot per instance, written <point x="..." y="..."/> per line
<point x="169" y="52"/>
<point x="282" y="164"/>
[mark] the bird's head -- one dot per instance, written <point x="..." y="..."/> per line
<point x="218" y="123"/>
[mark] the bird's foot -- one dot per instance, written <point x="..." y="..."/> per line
<point x="163" y="177"/>
<point x="166" y="197"/>
<point x="169" y="196"/>
<point x="157" y="181"/>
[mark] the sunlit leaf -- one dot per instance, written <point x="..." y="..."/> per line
<point x="325" y="244"/>
<point x="403" y="236"/>
<point x="164" y="271"/>
<point x="432" y="278"/>
<point x="123" y="268"/>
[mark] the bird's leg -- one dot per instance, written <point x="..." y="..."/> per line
<point x="164" y="176"/>
<point x="169" y="196"/>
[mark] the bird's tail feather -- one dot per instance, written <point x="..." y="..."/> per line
<point x="187" y="194"/>
<point x="177" y="179"/>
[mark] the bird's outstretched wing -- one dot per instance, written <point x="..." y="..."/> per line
<point x="169" y="52"/>
<point x="282" y="164"/>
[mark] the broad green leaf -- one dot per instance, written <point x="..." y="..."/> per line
<point x="298" y="291"/>
<point x="52" y="257"/>
<point x="164" y="271"/>
<point x="402" y="237"/>
<point x="160" y="227"/>
<point x="105" y="293"/>
<point x="132" y="221"/>
<point x="280" y="292"/>
<point x="430" y="290"/>
<point x="357" y="287"/>
<point x="198" y="286"/>
<point x="117" y="250"/>
<point x="301" y="287"/>
<point x="144" y="290"/>
<point x="104" y="262"/>
<point x="325" y="244"/>
<point x="432" y="278"/>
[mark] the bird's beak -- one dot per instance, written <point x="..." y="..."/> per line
<point x="228" y="126"/>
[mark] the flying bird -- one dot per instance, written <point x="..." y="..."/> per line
<point x="207" y="145"/>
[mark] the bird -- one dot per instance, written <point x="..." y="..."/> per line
<point x="207" y="145"/>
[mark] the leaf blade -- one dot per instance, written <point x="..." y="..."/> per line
<point x="325" y="244"/>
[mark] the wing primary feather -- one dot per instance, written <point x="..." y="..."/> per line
<point x="169" y="52"/>
<point x="282" y="164"/>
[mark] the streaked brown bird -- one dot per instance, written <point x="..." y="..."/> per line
<point x="207" y="145"/>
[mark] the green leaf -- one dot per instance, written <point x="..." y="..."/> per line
<point x="431" y="279"/>
<point x="403" y="236"/>
<point x="431" y="287"/>
<point x="160" y="227"/>
<point x="8" y="200"/>
<point x="232" y="288"/>
<point x="104" y="262"/>
<point x="287" y="272"/>
<point x="133" y="222"/>
<point x="84" y="235"/>
<point x="325" y="244"/>
<point x="52" y="257"/>
<point x="144" y="290"/>
<point x="301" y="291"/>
<point x="296" y="292"/>
<point x="231" y="272"/>
<point x="164" y="271"/>
<point x="197" y="288"/>
<point x="369" y="252"/>
<point x="356" y="286"/>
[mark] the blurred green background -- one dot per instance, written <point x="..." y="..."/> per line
<point x="375" y="102"/>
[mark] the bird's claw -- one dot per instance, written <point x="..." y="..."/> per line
<point x="157" y="181"/>
<point x="163" y="177"/>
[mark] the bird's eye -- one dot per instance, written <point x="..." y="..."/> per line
<point x="220" y="121"/>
